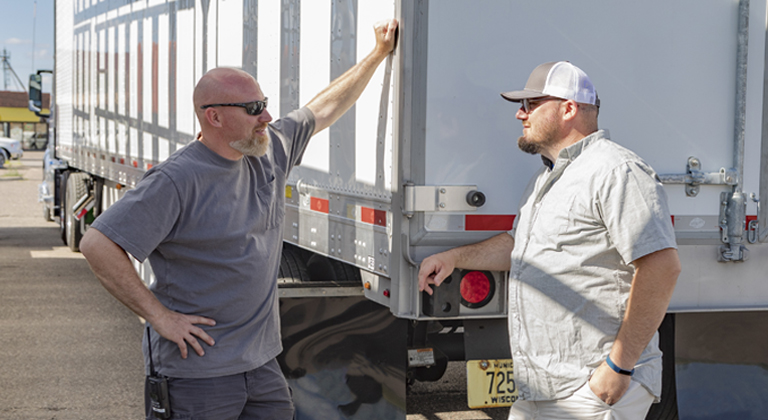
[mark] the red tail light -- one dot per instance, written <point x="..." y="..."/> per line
<point x="477" y="288"/>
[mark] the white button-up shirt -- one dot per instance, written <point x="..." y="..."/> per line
<point x="580" y="225"/>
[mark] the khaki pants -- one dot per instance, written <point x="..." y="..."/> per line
<point x="585" y="405"/>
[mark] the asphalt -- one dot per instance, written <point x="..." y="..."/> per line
<point x="68" y="350"/>
<point x="446" y="399"/>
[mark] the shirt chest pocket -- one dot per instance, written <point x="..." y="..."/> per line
<point x="565" y="215"/>
<point x="270" y="203"/>
<point x="553" y="215"/>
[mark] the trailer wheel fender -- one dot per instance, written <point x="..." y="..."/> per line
<point x="47" y="213"/>
<point x="77" y="187"/>
<point x="63" y="178"/>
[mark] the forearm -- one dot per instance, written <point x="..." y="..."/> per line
<point x="492" y="254"/>
<point x="114" y="270"/>
<point x="330" y="104"/>
<point x="654" y="281"/>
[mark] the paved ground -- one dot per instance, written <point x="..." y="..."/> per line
<point x="446" y="399"/>
<point x="71" y="351"/>
<point x="68" y="350"/>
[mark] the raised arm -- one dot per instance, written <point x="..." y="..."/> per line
<point x="652" y="287"/>
<point x="114" y="270"/>
<point x="491" y="254"/>
<point x="330" y="104"/>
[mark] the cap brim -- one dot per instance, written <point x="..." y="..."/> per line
<point x="519" y="95"/>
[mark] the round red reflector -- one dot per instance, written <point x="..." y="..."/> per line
<point x="475" y="288"/>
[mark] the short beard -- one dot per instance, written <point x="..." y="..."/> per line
<point x="549" y="134"/>
<point x="527" y="146"/>
<point x="256" y="145"/>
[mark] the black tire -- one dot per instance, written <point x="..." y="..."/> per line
<point x="63" y="206"/>
<point x="77" y="187"/>
<point x="321" y="268"/>
<point x="667" y="408"/>
<point x="3" y="157"/>
<point x="292" y="268"/>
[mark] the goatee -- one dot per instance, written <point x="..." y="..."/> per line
<point x="255" y="145"/>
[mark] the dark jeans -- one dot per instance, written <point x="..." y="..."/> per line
<point x="258" y="394"/>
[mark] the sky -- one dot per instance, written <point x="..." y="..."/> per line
<point x="17" y="35"/>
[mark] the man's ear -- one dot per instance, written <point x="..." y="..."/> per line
<point x="213" y="117"/>
<point x="571" y="110"/>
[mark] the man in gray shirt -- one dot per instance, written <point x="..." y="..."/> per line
<point x="210" y="221"/>
<point x="592" y="261"/>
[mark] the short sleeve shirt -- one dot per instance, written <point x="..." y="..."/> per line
<point x="580" y="225"/>
<point x="212" y="231"/>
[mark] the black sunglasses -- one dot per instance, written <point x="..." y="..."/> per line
<point x="252" y="108"/>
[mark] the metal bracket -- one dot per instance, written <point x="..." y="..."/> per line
<point x="752" y="232"/>
<point x="753" y="227"/>
<point x="695" y="177"/>
<point x="405" y="244"/>
<point x="83" y="206"/>
<point x="442" y="198"/>
<point x="693" y="169"/>
<point x="733" y="211"/>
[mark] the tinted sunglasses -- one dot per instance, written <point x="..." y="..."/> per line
<point x="252" y="108"/>
<point x="529" y="105"/>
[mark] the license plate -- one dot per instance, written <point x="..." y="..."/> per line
<point x="490" y="383"/>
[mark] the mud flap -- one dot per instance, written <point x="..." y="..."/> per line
<point x="344" y="358"/>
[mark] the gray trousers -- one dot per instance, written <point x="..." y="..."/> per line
<point x="258" y="394"/>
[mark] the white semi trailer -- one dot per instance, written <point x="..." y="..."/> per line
<point x="427" y="161"/>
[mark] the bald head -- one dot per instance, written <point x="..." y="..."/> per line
<point x="224" y="85"/>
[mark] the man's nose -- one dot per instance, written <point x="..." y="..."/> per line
<point x="265" y="116"/>
<point x="521" y="114"/>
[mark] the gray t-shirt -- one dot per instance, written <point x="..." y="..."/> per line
<point x="580" y="226"/>
<point x="212" y="229"/>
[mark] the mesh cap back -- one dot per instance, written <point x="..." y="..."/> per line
<point x="560" y="79"/>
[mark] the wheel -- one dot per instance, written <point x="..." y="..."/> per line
<point x="3" y="157"/>
<point x="292" y="268"/>
<point x="667" y="408"/>
<point x="321" y="268"/>
<point x="77" y="187"/>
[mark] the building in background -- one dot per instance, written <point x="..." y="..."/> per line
<point x="19" y="123"/>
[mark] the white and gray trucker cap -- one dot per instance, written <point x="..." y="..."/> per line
<point x="560" y="79"/>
